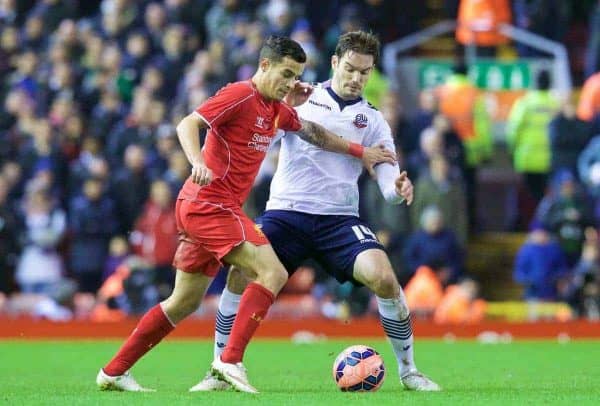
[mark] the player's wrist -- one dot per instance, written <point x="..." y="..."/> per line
<point x="356" y="150"/>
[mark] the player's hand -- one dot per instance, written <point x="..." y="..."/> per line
<point x="201" y="174"/>
<point x="376" y="155"/>
<point x="404" y="187"/>
<point x="299" y="94"/>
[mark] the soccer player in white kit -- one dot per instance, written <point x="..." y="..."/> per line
<point x="312" y="211"/>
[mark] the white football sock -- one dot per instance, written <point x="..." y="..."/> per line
<point x="395" y="319"/>
<point x="228" y="308"/>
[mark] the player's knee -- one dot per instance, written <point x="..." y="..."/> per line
<point x="384" y="285"/>
<point x="179" y="307"/>
<point x="273" y="278"/>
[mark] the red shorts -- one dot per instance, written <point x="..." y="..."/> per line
<point x="208" y="232"/>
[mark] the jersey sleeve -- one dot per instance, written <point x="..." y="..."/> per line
<point x="386" y="173"/>
<point x="225" y="104"/>
<point x="288" y="118"/>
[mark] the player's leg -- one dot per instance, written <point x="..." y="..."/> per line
<point x="254" y="304"/>
<point x="372" y="268"/>
<point x="229" y="303"/>
<point x="157" y="323"/>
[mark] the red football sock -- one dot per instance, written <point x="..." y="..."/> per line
<point x="254" y="305"/>
<point x="152" y="328"/>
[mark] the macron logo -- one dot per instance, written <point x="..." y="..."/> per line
<point x="320" y="105"/>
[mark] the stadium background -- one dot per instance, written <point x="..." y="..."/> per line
<point x="89" y="162"/>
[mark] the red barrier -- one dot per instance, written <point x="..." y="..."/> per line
<point x="276" y="328"/>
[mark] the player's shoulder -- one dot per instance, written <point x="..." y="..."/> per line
<point x="238" y="89"/>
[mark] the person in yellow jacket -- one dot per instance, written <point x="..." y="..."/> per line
<point x="527" y="134"/>
<point x="464" y="106"/>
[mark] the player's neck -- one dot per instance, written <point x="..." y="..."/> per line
<point x="257" y="82"/>
<point x="339" y="95"/>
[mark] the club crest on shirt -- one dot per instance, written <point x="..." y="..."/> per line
<point x="360" y="121"/>
<point x="260" y="122"/>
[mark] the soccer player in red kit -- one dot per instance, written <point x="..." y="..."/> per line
<point x="242" y="118"/>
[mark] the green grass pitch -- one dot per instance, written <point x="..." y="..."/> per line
<point x="523" y="372"/>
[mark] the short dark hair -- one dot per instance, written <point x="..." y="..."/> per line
<point x="276" y="48"/>
<point x="360" y="42"/>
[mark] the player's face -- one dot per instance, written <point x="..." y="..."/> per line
<point x="350" y="74"/>
<point x="280" y="77"/>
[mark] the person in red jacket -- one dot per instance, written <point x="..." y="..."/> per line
<point x="155" y="235"/>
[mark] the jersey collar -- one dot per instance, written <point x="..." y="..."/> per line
<point x="341" y="102"/>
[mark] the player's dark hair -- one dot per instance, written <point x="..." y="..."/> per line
<point x="361" y="42"/>
<point x="276" y="48"/>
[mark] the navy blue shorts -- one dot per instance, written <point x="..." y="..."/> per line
<point x="333" y="241"/>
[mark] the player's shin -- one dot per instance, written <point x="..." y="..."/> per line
<point x="254" y="304"/>
<point x="395" y="319"/>
<point x="150" y="330"/>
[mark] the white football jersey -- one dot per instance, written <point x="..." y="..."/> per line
<point x="311" y="180"/>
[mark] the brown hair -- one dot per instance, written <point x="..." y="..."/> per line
<point x="360" y="42"/>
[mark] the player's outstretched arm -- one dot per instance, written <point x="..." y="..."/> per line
<point x="187" y="133"/>
<point x="317" y="135"/>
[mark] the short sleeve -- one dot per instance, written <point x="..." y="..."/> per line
<point x="381" y="133"/>
<point x="288" y="118"/>
<point x="225" y="104"/>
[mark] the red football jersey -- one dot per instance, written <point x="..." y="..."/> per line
<point x="242" y="124"/>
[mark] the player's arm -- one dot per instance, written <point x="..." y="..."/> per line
<point x="395" y="186"/>
<point x="187" y="133"/>
<point x="317" y="135"/>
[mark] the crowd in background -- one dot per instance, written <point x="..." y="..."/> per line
<point x="90" y="165"/>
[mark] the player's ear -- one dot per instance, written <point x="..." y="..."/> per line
<point x="334" y="61"/>
<point x="264" y="64"/>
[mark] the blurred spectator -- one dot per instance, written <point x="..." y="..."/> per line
<point x="10" y="230"/>
<point x="460" y="304"/>
<point x="118" y="251"/>
<point x="568" y="137"/>
<point x="583" y="292"/>
<point x="436" y="246"/>
<point x="89" y="163"/>
<point x="589" y="98"/>
<point x="130" y="186"/>
<point x="527" y="135"/>
<point x="40" y="265"/>
<point x="431" y="144"/>
<point x="420" y="120"/>
<point x="540" y="266"/>
<point x="439" y="187"/>
<point x="177" y="172"/>
<point x="92" y="223"/>
<point x="461" y="102"/>
<point x="155" y="235"/>
<point x="547" y="18"/>
<point x="478" y="22"/>
<point x="588" y="166"/>
<point x="566" y="213"/>
<point x="592" y="52"/>
<point x="423" y="292"/>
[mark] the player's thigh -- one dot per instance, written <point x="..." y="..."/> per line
<point x="288" y="233"/>
<point x="373" y="269"/>
<point x="238" y="279"/>
<point x="339" y="241"/>
<point x="260" y="260"/>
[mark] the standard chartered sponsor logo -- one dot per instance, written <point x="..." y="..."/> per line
<point x="260" y="142"/>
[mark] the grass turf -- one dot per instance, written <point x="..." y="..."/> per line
<point x="540" y="372"/>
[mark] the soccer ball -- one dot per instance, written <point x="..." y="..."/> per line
<point x="358" y="369"/>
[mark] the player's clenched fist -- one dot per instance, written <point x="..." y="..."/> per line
<point x="404" y="187"/>
<point x="201" y="174"/>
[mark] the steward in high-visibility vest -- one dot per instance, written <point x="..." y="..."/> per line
<point x="527" y="131"/>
